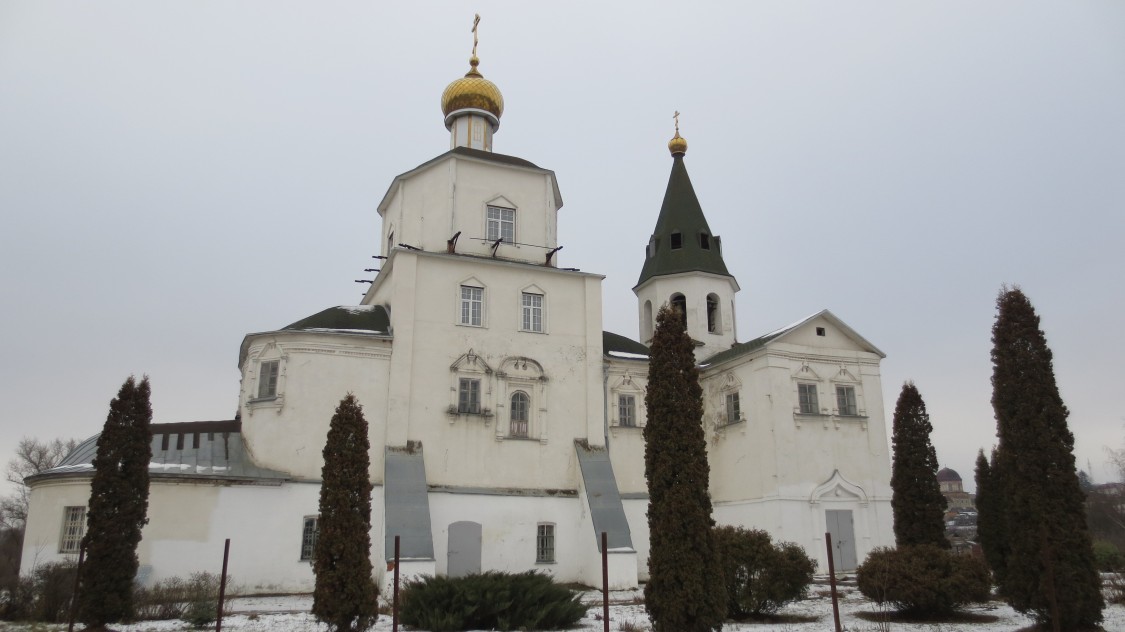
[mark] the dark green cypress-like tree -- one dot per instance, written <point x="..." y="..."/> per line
<point x="1049" y="570"/>
<point x="685" y="590"/>
<point x="991" y="530"/>
<point x="117" y="509"/>
<point x="916" y="500"/>
<point x="345" y="594"/>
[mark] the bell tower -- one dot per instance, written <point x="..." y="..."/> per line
<point x="684" y="266"/>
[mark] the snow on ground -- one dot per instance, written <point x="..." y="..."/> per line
<point x="289" y="613"/>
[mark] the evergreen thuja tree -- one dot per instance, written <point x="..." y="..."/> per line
<point x="685" y="590"/>
<point x="345" y="594"/>
<point x="1049" y="570"/>
<point x="916" y="499"/>
<point x="117" y="509"/>
<point x="991" y="532"/>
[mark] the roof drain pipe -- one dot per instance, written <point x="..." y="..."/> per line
<point x="605" y="405"/>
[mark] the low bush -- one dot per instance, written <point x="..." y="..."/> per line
<point x="194" y="600"/>
<point x="923" y="580"/>
<point x="42" y="595"/>
<point x="1107" y="557"/>
<point x="489" y="601"/>
<point x="759" y="576"/>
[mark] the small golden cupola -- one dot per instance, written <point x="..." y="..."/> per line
<point x="677" y="145"/>
<point x="472" y="106"/>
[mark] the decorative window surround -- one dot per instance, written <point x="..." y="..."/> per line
<point x="520" y="374"/>
<point x="267" y="380"/>
<point x="625" y="386"/>
<point x="470" y="369"/>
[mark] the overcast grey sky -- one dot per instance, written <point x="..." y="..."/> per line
<point x="175" y="175"/>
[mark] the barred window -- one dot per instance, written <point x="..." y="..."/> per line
<point x="73" y="528"/>
<point x="310" y="532"/>
<point x="807" y="396"/>
<point x="520" y="405"/>
<point x="545" y="544"/>
<point x="627" y="410"/>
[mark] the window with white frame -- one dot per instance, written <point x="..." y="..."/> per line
<point x="472" y="305"/>
<point x="627" y="410"/>
<point x="532" y="312"/>
<point x="468" y="396"/>
<point x="501" y="224"/>
<point x="521" y="405"/>
<point x="310" y="532"/>
<point x="73" y="528"/>
<point x="545" y="544"/>
<point x="734" y="413"/>
<point x="267" y="378"/>
<point x="845" y="400"/>
<point x="806" y="394"/>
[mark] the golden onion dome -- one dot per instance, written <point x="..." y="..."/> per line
<point x="677" y="145"/>
<point x="472" y="91"/>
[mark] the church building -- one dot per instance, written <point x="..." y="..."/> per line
<point x="506" y="425"/>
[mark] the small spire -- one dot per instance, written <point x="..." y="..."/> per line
<point x="677" y="145"/>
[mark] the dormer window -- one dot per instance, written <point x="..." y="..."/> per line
<point x="704" y="241"/>
<point x="677" y="241"/>
<point x="501" y="224"/>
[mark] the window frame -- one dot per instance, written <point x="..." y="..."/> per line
<point x="269" y="377"/>
<point x="733" y="407"/>
<point x="627" y="410"/>
<point x="465" y="315"/>
<point x="849" y="405"/>
<point x="494" y="226"/>
<point x="525" y="408"/>
<point x="309" y="537"/>
<point x="531" y="315"/>
<point x="814" y="401"/>
<point x="467" y="387"/>
<point x="73" y="529"/>
<point x="545" y="543"/>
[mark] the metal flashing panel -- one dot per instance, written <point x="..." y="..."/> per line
<point x="606" y="510"/>
<point x="407" y="511"/>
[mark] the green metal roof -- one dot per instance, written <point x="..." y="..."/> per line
<point x="681" y="215"/>
<point x="346" y="318"/>
<point x="616" y="343"/>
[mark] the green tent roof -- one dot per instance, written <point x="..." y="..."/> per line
<point x="682" y="241"/>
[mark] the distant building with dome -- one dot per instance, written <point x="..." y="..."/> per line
<point x="506" y="425"/>
<point x="951" y="487"/>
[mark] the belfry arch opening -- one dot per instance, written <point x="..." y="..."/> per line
<point x="713" y="317"/>
<point x="679" y="302"/>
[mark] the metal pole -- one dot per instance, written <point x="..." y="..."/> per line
<point x="605" y="582"/>
<point x="394" y="604"/>
<point x="832" y="581"/>
<point x="74" y="594"/>
<point x="222" y="587"/>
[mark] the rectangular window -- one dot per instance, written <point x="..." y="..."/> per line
<point x="472" y="305"/>
<point x="468" y="396"/>
<point x="545" y="544"/>
<point x="807" y="395"/>
<point x="845" y="400"/>
<point x="501" y="224"/>
<point x="73" y="528"/>
<point x="309" y="534"/>
<point x="627" y="410"/>
<point x="532" y="312"/>
<point x="734" y="415"/>
<point x="267" y="379"/>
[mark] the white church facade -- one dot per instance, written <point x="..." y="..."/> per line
<point x="506" y="425"/>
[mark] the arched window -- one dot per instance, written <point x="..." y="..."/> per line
<point x="520" y="405"/>
<point x="713" y="322"/>
<point x="680" y="303"/>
